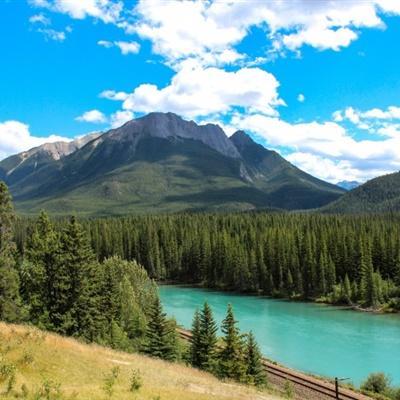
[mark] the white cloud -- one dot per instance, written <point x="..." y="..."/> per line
<point x="52" y="34"/>
<point x="92" y="116"/>
<point x="104" y="10"/>
<point x="113" y="95"/>
<point x="301" y="98"/>
<point x="328" y="169"/>
<point x="125" y="47"/>
<point x="39" y="19"/>
<point x="207" y="28"/>
<point x="197" y="91"/>
<point x="119" y="118"/>
<point x="362" y="159"/>
<point x="16" y="137"/>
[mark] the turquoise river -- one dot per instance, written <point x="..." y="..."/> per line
<point x="314" y="338"/>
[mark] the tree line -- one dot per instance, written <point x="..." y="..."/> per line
<point x="58" y="284"/>
<point x="337" y="259"/>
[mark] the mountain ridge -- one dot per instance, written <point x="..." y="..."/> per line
<point x="163" y="163"/>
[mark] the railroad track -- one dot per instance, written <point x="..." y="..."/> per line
<point x="315" y="385"/>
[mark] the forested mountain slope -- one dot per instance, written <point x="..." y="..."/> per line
<point x="162" y="163"/>
<point x="381" y="194"/>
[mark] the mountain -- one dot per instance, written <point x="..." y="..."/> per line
<point x="23" y="164"/>
<point x="381" y="194"/>
<point x="288" y="187"/>
<point x="348" y="185"/>
<point x="162" y="163"/>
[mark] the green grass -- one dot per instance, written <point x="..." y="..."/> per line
<point x="68" y="369"/>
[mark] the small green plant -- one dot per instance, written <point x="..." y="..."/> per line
<point x="288" y="389"/>
<point x="50" y="390"/>
<point x="26" y="358"/>
<point x="376" y="382"/>
<point x="109" y="381"/>
<point x="24" y="391"/>
<point x="136" y="381"/>
<point x="11" y="383"/>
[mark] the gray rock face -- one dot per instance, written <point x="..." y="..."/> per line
<point x="58" y="150"/>
<point x="27" y="161"/>
<point x="164" y="125"/>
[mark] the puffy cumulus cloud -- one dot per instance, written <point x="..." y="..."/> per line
<point x="125" y="47"/>
<point x="208" y="28"/>
<point x="105" y="10"/>
<point x="16" y="137"/>
<point x="197" y="91"/>
<point x="362" y="159"/>
<point x="375" y="120"/>
<point x="92" y="116"/>
<point x="119" y="118"/>
<point x="328" y="169"/>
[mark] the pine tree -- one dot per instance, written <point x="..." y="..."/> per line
<point x="159" y="334"/>
<point x="208" y="338"/>
<point x="73" y="306"/>
<point x="10" y="302"/>
<point x="195" y="342"/>
<point x="39" y="270"/>
<point x="254" y="369"/>
<point x="231" y="361"/>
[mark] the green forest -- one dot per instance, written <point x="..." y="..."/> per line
<point x="57" y="283"/>
<point x="353" y="260"/>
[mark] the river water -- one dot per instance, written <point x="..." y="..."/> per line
<point x="313" y="338"/>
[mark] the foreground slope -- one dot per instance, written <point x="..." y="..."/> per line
<point x="378" y="195"/>
<point x="46" y="360"/>
<point x="162" y="163"/>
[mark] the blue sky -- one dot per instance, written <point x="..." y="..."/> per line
<point x="318" y="81"/>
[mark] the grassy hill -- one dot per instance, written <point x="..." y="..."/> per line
<point x="378" y="195"/>
<point x="51" y="367"/>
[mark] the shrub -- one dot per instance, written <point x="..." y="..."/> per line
<point x="376" y="382"/>
<point x="136" y="381"/>
<point x="50" y="390"/>
<point x="110" y="380"/>
<point x="288" y="389"/>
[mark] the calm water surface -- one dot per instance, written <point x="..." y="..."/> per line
<point x="314" y="338"/>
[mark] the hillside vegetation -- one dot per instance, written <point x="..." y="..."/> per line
<point x="53" y="367"/>
<point x="378" y="195"/>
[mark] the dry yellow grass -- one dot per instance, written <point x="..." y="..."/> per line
<point x="80" y="370"/>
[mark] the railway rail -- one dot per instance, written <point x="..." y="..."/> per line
<point x="321" y="388"/>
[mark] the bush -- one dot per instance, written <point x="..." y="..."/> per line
<point x="110" y="380"/>
<point x="288" y="389"/>
<point x="376" y="382"/>
<point x="136" y="381"/>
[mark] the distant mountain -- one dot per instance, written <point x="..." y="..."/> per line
<point x="161" y="163"/>
<point x="21" y="165"/>
<point x="348" y="185"/>
<point x="381" y="194"/>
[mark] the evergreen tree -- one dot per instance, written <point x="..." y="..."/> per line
<point x="231" y="361"/>
<point x="195" y="342"/>
<point x="73" y="307"/>
<point x="208" y="338"/>
<point x="159" y="334"/>
<point x="254" y="369"/>
<point x="39" y="270"/>
<point x="10" y="302"/>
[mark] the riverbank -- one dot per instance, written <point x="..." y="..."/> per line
<point x="382" y="309"/>
<point x="315" y="338"/>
